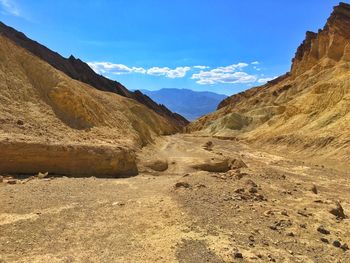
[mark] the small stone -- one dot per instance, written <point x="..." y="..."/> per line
<point x="238" y="255"/>
<point x="182" y="184"/>
<point x="12" y="181"/>
<point x="265" y="243"/>
<point x="338" y="211"/>
<point x="336" y="243"/>
<point x="268" y="213"/>
<point x="284" y="213"/>
<point x="344" y="247"/>
<point x="324" y="240"/>
<point x="304" y="213"/>
<point x="208" y="146"/>
<point x="239" y="175"/>
<point x="322" y="230"/>
<point x="237" y="164"/>
<point x="157" y="165"/>
<point x="251" y="183"/>
<point x="20" y="122"/>
<point x="253" y="190"/>
<point x="239" y="190"/>
<point x="273" y="227"/>
<point x="42" y="175"/>
<point x="290" y="234"/>
<point x="314" y="189"/>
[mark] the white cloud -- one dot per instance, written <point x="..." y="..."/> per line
<point x="117" y="69"/>
<point x="178" y="72"/>
<point x="265" y="80"/>
<point x="229" y="74"/>
<point x="256" y="68"/>
<point x="157" y="71"/>
<point x="9" y="7"/>
<point x="255" y="63"/>
<point x="201" y="67"/>
<point x="226" y="74"/>
<point x="230" y="68"/>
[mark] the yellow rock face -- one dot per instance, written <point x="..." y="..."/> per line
<point x="49" y="122"/>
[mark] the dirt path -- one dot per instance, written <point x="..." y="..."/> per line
<point x="265" y="212"/>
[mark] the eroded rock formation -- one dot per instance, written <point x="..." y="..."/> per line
<point x="52" y="123"/>
<point x="307" y="108"/>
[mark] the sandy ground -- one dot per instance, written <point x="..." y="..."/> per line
<point x="266" y="212"/>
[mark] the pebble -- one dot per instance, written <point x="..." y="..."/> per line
<point x="344" y="247"/>
<point x="322" y="230"/>
<point x="20" y="122"/>
<point x="314" y="189"/>
<point x="238" y="255"/>
<point x="338" y="211"/>
<point x="336" y="243"/>
<point x="324" y="240"/>
<point x="182" y="184"/>
<point x="12" y="181"/>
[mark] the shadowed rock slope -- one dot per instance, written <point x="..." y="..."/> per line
<point x="307" y="108"/>
<point x="52" y="123"/>
<point x="79" y="70"/>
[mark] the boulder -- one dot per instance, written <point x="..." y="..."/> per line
<point x="157" y="165"/>
<point x="213" y="165"/>
<point x="237" y="164"/>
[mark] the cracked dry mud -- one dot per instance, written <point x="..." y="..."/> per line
<point x="266" y="212"/>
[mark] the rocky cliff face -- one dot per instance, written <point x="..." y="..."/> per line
<point x="332" y="42"/>
<point x="52" y="123"/>
<point x="79" y="70"/>
<point x="307" y="108"/>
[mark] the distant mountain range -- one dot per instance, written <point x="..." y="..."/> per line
<point x="188" y="103"/>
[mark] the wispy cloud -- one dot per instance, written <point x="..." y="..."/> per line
<point x="9" y="7"/>
<point x="257" y="68"/>
<point x="230" y="74"/>
<point x="201" y="67"/>
<point x="255" y="63"/>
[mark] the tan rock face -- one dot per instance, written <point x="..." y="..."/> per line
<point x="52" y="123"/>
<point x="307" y="108"/>
<point x="331" y="42"/>
<point x="76" y="160"/>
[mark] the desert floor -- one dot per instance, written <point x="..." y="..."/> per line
<point x="268" y="211"/>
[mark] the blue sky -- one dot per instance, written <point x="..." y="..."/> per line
<point x="224" y="46"/>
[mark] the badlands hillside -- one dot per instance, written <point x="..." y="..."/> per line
<point x="79" y="70"/>
<point x="52" y="123"/>
<point x="307" y="109"/>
